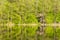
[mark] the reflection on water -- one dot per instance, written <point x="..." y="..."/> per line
<point x="28" y="33"/>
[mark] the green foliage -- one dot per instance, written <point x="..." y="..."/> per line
<point x="25" y="11"/>
<point x="46" y="6"/>
<point x="31" y="18"/>
<point x="18" y="32"/>
<point x="49" y="17"/>
<point x="49" y="31"/>
<point x="10" y="33"/>
<point x="58" y="33"/>
<point x="15" y="12"/>
<point x="58" y="17"/>
<point x="30" y="32"/>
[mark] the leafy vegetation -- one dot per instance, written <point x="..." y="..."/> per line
<point x="13" y="13"/>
